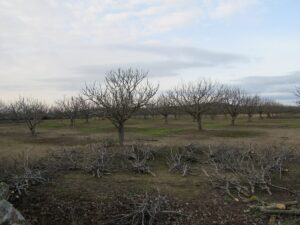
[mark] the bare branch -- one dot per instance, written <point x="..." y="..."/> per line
<point x="123" y="93"/>
<point x="234" y="100"/>
<point x="197" y="99"/>
<point x="29" y="110"/>
<point x="70" y="108"/>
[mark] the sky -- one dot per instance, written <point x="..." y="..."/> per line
<point x="51" y="48"/>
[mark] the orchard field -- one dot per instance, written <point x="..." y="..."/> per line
<point x="75" y="193"/>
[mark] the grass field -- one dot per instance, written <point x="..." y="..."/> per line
<point x="15" y="137"/>
<point x="77" y="187"/>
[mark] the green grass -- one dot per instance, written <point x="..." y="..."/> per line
<point x="95" y="128"/>
<point x="55" y="124"/>
<point x="289" y="223"/>
<point x="272" y="123"/>
<point x="59" y="132"/>
<point x="219" y="127"/>
<point x="295" y="124"/>
<point x="136" y="126"/>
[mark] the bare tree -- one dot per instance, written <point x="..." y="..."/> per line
<point x="271" y="107"/>
<point x="234" y="101"/>
<point x="164" y="106"/>
<point x="3" y="110"/>
<point x="70" y="108"/>
<point x="151" y="108"/>
<point x="123" y="93"/>
<point x="261" y="108"/>
<point x="197" y="99"/>
<point x="29" y="110"/>
<point x="175" y="111"/>
<point x="55" y="112"/>
<point x="86" y="108"/>
<point x="251" y="106"/>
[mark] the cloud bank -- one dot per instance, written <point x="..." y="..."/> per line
<point x="280" y="88"/>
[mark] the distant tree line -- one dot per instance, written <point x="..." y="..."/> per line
<point x="127" y="93"/>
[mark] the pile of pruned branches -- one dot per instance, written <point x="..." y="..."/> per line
<point x="177" y="163"/>
<point x="180" y="159"/>
<point x="100" y="163"/>
<point x="22" y="174"/>
<point x="240" y="173"/>
<point x="66" y="158"/>
<point x="138" y="157"/>
<point x="145" y="209"/>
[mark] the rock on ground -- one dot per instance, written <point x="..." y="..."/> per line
<point x="4" y="191"/>
<point x="9" y="215"/>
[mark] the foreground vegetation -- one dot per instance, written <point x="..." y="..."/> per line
<point x="83" y="171"/>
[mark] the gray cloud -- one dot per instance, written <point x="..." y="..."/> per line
<point x="202" y="56"/>
<point x="167" y="60"/>
<point x="162" y="61"/>
<point x="281" y="88"/>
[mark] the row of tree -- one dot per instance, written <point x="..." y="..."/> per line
<point x="125" y="93"/>
<point x="208" y="98"/>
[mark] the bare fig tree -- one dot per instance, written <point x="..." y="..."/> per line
<point x="29" y="110"/>
<point x="251" y="106"/>
<point x="86" y="108"/>
<point x="261" y="108"/>
<point x="70" y="108"/>
<point x="124" y="92"/>
<point x="151" y="108"/>
<point x="271" y="108"/>
<point x="197" y="98"/>
<point x="234" y="101"/>
<point x="164" y="106"/>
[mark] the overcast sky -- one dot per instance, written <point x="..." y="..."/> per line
<point x="50" y="48"/>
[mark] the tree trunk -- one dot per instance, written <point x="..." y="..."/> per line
<point x="261" y="115"/>
<point x="249" y="117"/>
<point x="166" y="119"/>
<point x="199" y="122"/>
<point x="32" y="131"/>
<point x="233" y="120"/>
<point x="72" y="122"/>
<point x="121" y="134"/>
